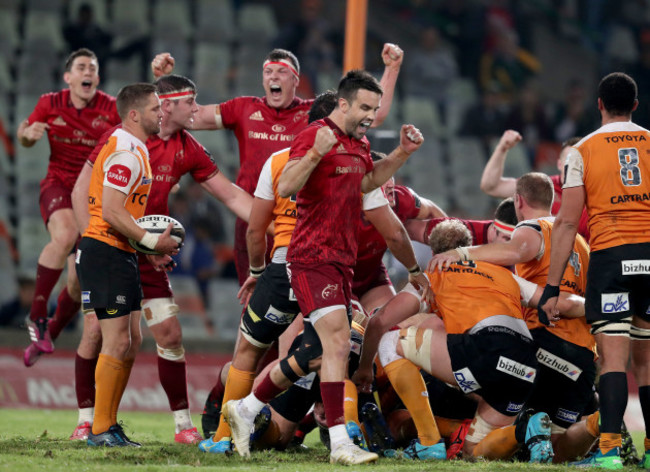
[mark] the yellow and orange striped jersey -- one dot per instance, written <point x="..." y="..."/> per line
<point x="574" y="280"/>
<point x="611" y="163"/>
<point x="468" y="292"/>
<point x="122" y="164"/>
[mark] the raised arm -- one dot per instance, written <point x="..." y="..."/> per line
<point x="28" y="134"/>
<point x="493" y="182"/>
<point x="392" y="56"/>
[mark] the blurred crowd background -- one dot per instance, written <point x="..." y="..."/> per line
<point x="472" y="69"/>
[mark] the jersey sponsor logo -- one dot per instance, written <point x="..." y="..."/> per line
<point x="615" y="302"/>
<point x="100" y="121"/>
<point x="119" y="175"/>
<point x="307" y="381"/>
<point x="58" y="121"/>
<point x="516" y="369"/>
<point x="625" y="137"/>
<point x="164" y="168"/>
<point x="466" y="380"/>
<point x="85" y="297"/>
<point x="329" y="291"/>
<point x="278" y="128"/>
<point x="514" y="407"/>
<point x="256" y="116"/>
<point x="145" y="180"/>
<point x="279" y="317"/>
<point x="111" y="311"/>
<point x="558" y="364"/>
<point x="635" y="267"/>
<point x="79" y="133"/>
<point x="120" y="299"/>
<point x="270" y="136"/>
<point x="300" y="116"/>
<point x="350" y="170"/>
<point x="567" y="415"/>
<point x="635" y="197"/>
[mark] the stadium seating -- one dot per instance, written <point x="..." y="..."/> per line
<point x="215" y="22"/>
<point x="224" y="308"/>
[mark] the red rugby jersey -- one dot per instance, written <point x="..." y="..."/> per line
<point x="73" y="133"/>
<point x="478" y="228"/>
<point x="261" y="130"/>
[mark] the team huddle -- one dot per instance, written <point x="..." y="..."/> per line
<point x="493" y="351"/>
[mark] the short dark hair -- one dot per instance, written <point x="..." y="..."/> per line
<point x="449" y="234"/>
<point x="537" y="189"/>
<point x="618" y="92"/>
<point x="571" y="141"/>
<point x="323" y="105"/>
<point x="83" y="52"/>
<point x="278" y="54"/>
<point x="355" y="80"/>
<point x="172" y="83"/>
<point x="505" y="212"/>
<point x="133" y="97"/>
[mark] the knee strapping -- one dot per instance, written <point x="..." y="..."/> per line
<point x="387" y="349"/>
<point x="416" y="344"/>
<point x="174" y="355"/>
<point x="288" y="372"/>
<point x="157" y="310"/>
<point x="639" y="334"/>
<point x="612" y="328"/>
<point x="478" y="429"/>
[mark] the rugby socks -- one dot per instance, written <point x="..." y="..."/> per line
<point x="612" y="389"/>
<point x="108" y="379"/>
<point x="125" y="373"/>
<point x="409" y="385"/>
<point x="218" y="390"/>
<point x="447" y="426"/>
<point x="593" y="428"/>
<point x="644" y="400"/>
<point x="351" y="402"/>
<point x="332" y="394"/>
<point x="173" y="378"/>
<point x="84" y="381"/>
<point x="66" y="309"/>
<point x="46" y="279"/>
<point x="238" y="385"/>
<point x="498" y="444"/>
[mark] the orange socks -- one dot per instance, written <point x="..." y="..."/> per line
<point x="409" y="385"/>
<point x="238" y="385"/>
<point x="447" y="426"/>
<point x="609" y="441"/>
<point x="351" y="402"/>
<point x="593" y="428"/>
<point x="498" y="444"/>
<point x="111" y="377"/>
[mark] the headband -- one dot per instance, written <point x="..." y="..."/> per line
<point x="505" y="227"/>
<point x="282" y="62"/>
<point x="178" y="94"/>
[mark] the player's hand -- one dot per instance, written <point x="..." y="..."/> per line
<point x="166" y="244"/>
<point x="246" y="290"/>
<point x="509" y="139"/>
<point x="363" y="378"/>
<point x="325" y="140"/>
<point x="35" y="131"/>
<point x="547" y="307"/>
<point x="392" y="55"/>
<point x="421" y="282"/>
<point x="410" y="139"/>
<point x="162" y="64"/>
<point x="442" y="260"/>
<point x="161" y="262"/>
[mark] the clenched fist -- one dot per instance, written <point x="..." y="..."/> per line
<point x="162" y="64"/>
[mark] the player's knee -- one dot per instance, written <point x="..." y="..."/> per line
<point x="478" y="430"/>
<point x="416" y="345"/>
<point x="387" y="349"/>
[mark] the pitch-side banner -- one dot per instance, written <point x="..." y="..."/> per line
<point x="50" y="382"/>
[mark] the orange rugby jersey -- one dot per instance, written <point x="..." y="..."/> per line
<point x="284" y="211"/>
<point x="468" y="292"/>
<point x="123" y="164"/>
<point x="612" y="164"/>
<point x="574" y="280"/>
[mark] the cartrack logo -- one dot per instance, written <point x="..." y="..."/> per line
<point x="615" y="302"/>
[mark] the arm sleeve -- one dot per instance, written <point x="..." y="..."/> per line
<point x="408" y="202"/>
<point x="121" y="171"/>
<point x="574" y="169"/>
<point x="374" y="199"/>
<point x="264" y="189"/>
<point x="303" y="143"/>
<point x="526" y="288"/>
<point x="203" y="165"/>
<point x="40" y="112"/>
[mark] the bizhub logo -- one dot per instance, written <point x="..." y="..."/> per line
<point x="615" y="302"/>
<point x="558" y="364"/>
<point x="636" y="267"/>
<point x="466" y="380"/>
<point x="516" y="369"/>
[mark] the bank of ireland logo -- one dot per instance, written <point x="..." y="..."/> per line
<point x="329" y="291"/>
<point x="466" y="380"/>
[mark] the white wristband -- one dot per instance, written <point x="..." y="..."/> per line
<point x="149" y="240"/>
<point x="463" y="253"/>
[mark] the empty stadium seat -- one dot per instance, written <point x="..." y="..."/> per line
<point x="172" y="18"/>
<point x="225" y="309"/>
<point x="215" y="21"/>
<point x="257" y="23"/>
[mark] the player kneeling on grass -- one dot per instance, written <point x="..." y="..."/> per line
<point x="482" y="345"/>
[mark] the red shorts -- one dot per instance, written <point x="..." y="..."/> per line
<point x="320" y="285"/>
<point x="154" y="284"/>
<point x="377" y="279"/>
<point x="54" y="196"/>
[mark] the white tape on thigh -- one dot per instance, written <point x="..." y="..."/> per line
<point x="387" y="349"/>
<point x="420" y="355"/>
<point x="157" y="310"/>
<point x="478" y="430"/>
<point x="174" y="355"/>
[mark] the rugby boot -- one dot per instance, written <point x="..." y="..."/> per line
<point x="424" y="453"/>
<point x="81" y="431"/>
<point x="222" y="446"/>
<point x="538" y="438"/>
<point x="262" y="422"/>
<point x="351" y="454"/>
<point x="188" y="436"/>
<point x="379" y="437"/>
<point x="241" y="427"/>
<point x="354" y="432"/>
<point x="457" y="440"/>
<point x="644" y="463"/>
<point x="113" y="437"/>
<point x="629" y="454"/>
<point x="210" y="415"/>
<point x="610" y="461"/>
<point x="41" y="341"/>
